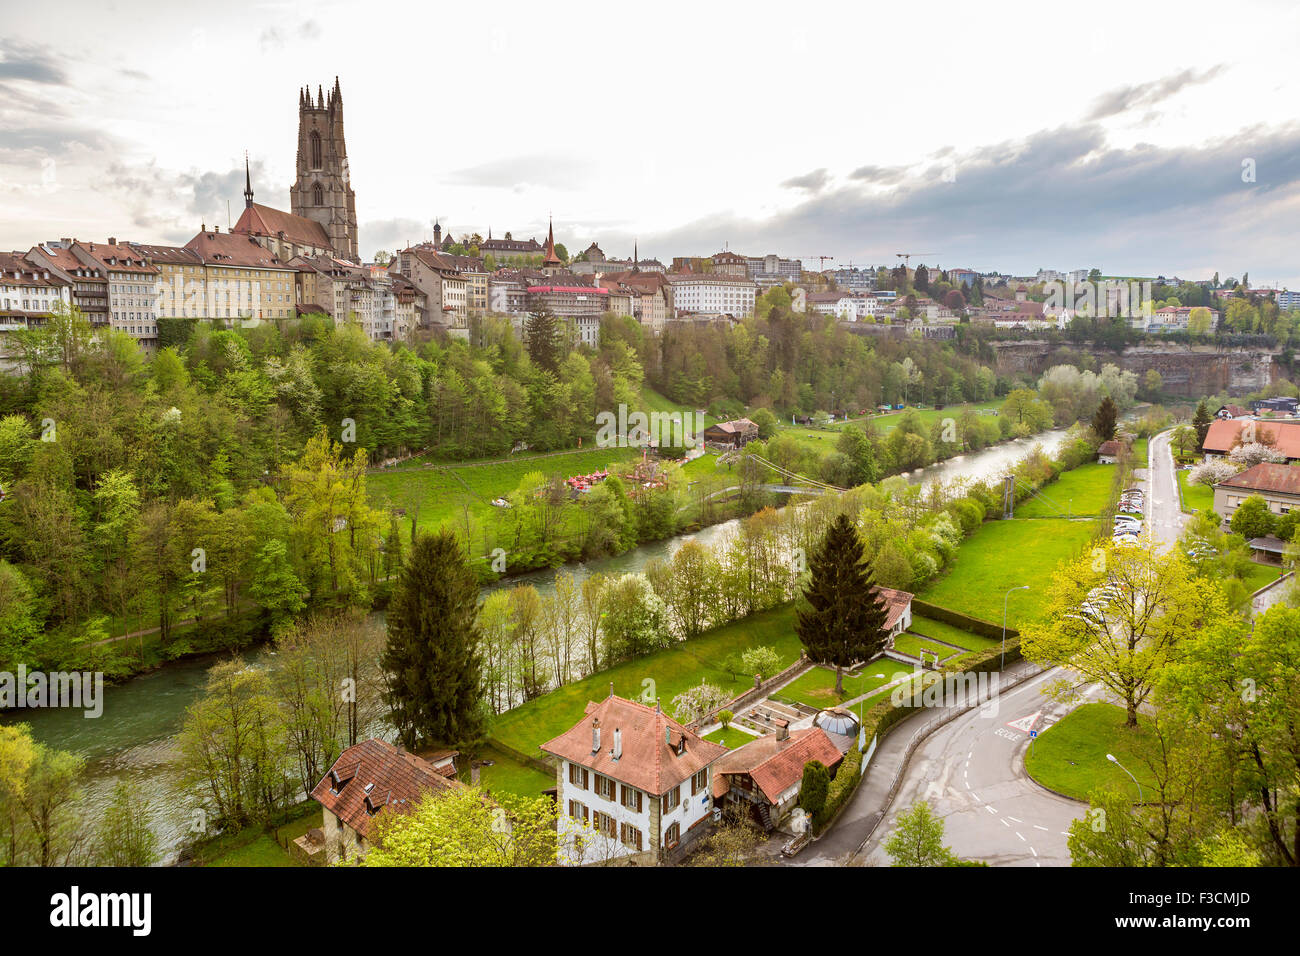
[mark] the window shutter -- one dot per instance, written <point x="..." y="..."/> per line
<point x="638" y="802"/>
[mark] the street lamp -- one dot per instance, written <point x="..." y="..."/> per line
<point x="1111" y="758"/>
<point x="1005" y="598"/>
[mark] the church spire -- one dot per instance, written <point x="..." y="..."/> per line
<point x="551" y="260"/>
<point x="636" y="257"/>
<point x="248" y="184"/>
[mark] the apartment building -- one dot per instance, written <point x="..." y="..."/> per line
<point x="711" y="294"/>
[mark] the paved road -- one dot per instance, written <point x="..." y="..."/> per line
<point x="972" y="773"/>
<point x="1165" y="516"/>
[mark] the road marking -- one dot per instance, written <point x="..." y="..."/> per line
<point x="989" y="809"/>
<point x="1005" y="824"/>
<point x="1022" y="839"/>
<point x="969" y="754"/>
<point x="1037" y="827"/>
<point x="1014" y="820"/>
<point x="1033" y="851"/>
<point x="976" y="796"/>
<point x="1025" y="723"/>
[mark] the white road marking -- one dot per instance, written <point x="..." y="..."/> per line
<point x="975" y="795"/>
<point x="1022" y="839"/>
<point x="1037" y="827"/>
<point x="1005" y="824"/>
<point x="991" y="810"/>
<point x="1014" y="820"/>
<point x="1033" y="851"/>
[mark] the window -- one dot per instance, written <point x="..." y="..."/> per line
<point x="317" y="195"/>
<point x="673" y="835"/>
<point x="700" y="781"/>
<point x="314" y="139"/>
<point x="604" y="787"/>
<point x="671" y="799"/>
<point x="603" y="823"/>
<point x="629" y="836"/>
<point x="578" y="776"/>
<point x="632" y="798"/>
<point x="578" y="811"/>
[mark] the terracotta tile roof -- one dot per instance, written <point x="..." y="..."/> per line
<point x="117" y="256"/>
<point x="1272" y="477"/>
<point x="739" y="426"/>
<point x="259" y="220"/>
<point x="896" y="602"/>
<point x="1111" y="448"/>
<point x="373" y="776"/>
<point x="17" y="269"/>
<point x="776" y="765"/>
<point x="1225" y="434"/>
<point x="230" y="249"/>
<point x="172" y="255"/>
<point x="650" y="759"/>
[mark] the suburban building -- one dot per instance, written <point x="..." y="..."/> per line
<point x="1281" y="405"/>
<point x="763" y="777"/>
<point x="771" y="270"/>
<point x="29" y="292"/>
<point x="510" y="251"/>
<point x="242" y="279"/>
<point x="132" y="287"/>
<point x="445" y="289"/>
<point x="633" y="785"/>
<point x="650" y="293"/>
<point x="1233" y="411"/>
<point x="1108" y="452"/>
<point x="1277" y="484"/>
<point x="1226" y="434"/>
<point x="370" y="778"/>
<point x="898" y="610"/>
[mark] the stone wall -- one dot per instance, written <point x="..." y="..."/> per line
<point x="1190" y="371"/>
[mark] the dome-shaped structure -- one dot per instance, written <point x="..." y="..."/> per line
<point x="836" y="720"/>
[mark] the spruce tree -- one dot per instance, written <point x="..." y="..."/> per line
<point x="431" y="662"/>
<point x="1105" y="419"/>
<point x="842" y="620"/>
<point x="542" y="333"/>
<point x="1202" y="422"/>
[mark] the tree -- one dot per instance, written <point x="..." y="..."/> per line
<point x="432" y="661"/>
<point x="1253" y="519"/>
<point x="697" y="702"/>
<point x="1116" y="617"/>
<point x="766" y="422"/>
<point x="1201" y="422"/>
<point x="125" y="837"/>
<point x="731" y="843"/>
<point x="842" y="620"/>
<point x="1103" y="422"/>
<point x="542" y="334"/>
<point x="917" y="839"/>
<point x="48" y="798"/>
<point x="275" y="586"/>
<point x="762" y="662"/>
<point x="815" y="786"/>
<point x="1199" y="320"/>
<point x="463" y="827"/>
<point x="1184" y="440"/>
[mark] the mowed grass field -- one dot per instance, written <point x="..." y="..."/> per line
<point x="1085" y="490"/>
<point x="664" y="674"/>
<point x="1195" y="497"/>
<point x="1006" y="554"/>
<point x="823" y="439"/>
<point x="1070" y="756"/>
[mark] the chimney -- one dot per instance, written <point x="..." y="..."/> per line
<point x="618" y="743"/>
<point x="112" y="240"/>
<point x="473" y="774"/>
<point x="783" y="730"/>
<point x="611" y="688"/>
<point x="595" y="735"/>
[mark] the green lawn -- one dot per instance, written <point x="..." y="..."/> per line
<point x="665" y="673"/>
<point x="925" y="627"/>
<point x="1006" y="554"/>
<point x="731" y="738"/>
<point x="911" y="645"/>
<point x="816" y="688"/>
<point x="1085" y="490"/>
<point x="1195" y="497"/>
<point x="1259" y="575"/>
<point x="1070" y="756"/>
<point x="886" y="423"/>
<point x="511" y="776"/>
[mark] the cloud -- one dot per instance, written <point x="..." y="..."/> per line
<point x="31" y="62"/>
<point x="1148" y="94"/>
<point x="551" y="170"/>
<point x="813" y="182"/>
<point x="277" y="38"/>
<point x="392" y="234"/>
<point x="879" y="175"/>
<point x="1060" y="197"/>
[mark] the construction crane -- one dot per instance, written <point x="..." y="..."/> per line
<point x="821" y="261"/>
<point x="907" y="256"/>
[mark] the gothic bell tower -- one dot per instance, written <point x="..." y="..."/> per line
<point x="322" y="190"/>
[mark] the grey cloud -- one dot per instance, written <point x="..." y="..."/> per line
<point x="25" y="61"/>
<point x="1148" y="94"/>
<point x="276" y="38"/>
<point x="393" y="234"/>
<point x="813" y="182"/>
<point x="879" y="175"/>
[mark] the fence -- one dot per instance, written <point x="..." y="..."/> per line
<point x="756" y="693"/>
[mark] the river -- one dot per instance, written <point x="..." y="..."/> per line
<point x="135" y="738"/>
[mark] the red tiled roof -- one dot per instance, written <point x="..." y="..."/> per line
<point x="373" y="776"/>
<point x="776" y="765"/>
<point x="229" y="249"/>
<point x="650" y="760"/>
<point x="259" y="220"/>
<point x="1225" y="434"/>
<point x="896" y="602"/>
<point x="1272" y="477"/>
<point x="1110" y="447"/>
<point x="568" y="288"/>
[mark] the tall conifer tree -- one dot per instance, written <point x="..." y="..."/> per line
<point x="432" y="662"/>
<point x="843" y="619"/>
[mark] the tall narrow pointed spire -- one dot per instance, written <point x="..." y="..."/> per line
<point x="551" y="260"/>
<point x="320" y="96"/>
<point x="248" y="183"/>
<point x="636" y="257"/>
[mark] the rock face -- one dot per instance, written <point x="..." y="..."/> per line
<point x="1186" y="370"/>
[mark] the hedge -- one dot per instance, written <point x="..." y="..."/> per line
<point x="841" y="788"/>
<point x="976" y="625"/>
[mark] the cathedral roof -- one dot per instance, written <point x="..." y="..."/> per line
<point x="259" y="220"/>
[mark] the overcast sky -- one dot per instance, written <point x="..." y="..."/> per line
<point x="1015" y="138"/>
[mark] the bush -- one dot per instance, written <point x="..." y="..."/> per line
<point x="815" y="787"/>
<point x="762" y="661"/>
<point x="841" y="788"/>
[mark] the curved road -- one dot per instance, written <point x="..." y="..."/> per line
<point x="972" y="773"/>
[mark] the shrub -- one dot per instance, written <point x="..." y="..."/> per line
<point x="815" y="787"/>
<point x="763" y="661"/>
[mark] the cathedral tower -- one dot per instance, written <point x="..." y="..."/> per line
<point x="322" y="190"/>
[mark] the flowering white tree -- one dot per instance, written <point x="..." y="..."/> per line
<point x="1212" y="472"/>
<point x="1252" y="453"/>
<point x="689" y="706"/>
